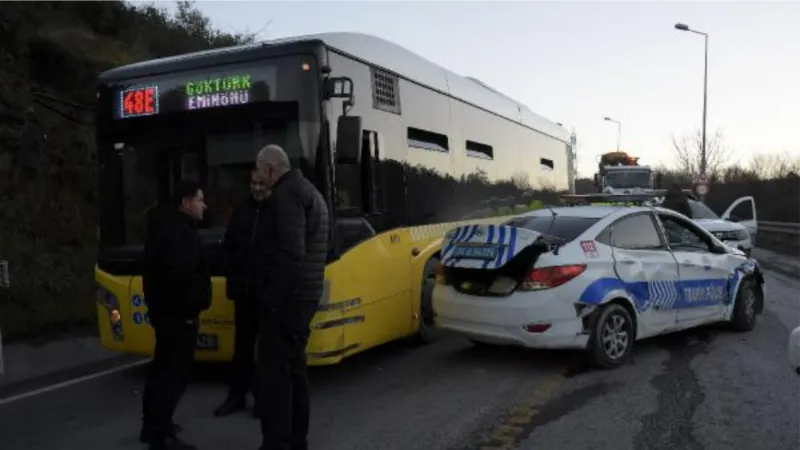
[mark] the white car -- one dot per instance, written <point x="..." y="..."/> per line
<point x="591" y="277"/>
<point x="729" y="229"/>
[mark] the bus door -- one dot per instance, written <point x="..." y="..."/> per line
<point x="374" y="258"/>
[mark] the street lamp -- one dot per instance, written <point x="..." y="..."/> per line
<point x="619" y="129"/>
<point x="684" y="27"/>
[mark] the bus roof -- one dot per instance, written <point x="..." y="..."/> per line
<point x="378" y="52"/>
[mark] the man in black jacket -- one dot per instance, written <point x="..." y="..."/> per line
<point x="677" y="201"/>
<point x="292" y="252"/>
<point x="239" y="242"/>
<point x="177" y="287"/>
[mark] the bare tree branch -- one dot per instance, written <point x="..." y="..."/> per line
<point x="767" y="166"/>
<point x="688" y="153"/>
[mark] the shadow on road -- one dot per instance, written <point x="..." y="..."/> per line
<point x="456" y="353"/>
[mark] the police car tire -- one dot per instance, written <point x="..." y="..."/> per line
<point x="596" y="351"/>
<point x="744" y="317"/>
<point x="428" y="332"/>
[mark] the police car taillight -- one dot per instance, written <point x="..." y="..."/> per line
<point x="542" y="278"/>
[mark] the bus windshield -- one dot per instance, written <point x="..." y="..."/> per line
<point x="206" y="130"/>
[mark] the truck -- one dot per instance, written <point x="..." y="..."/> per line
<point x="619" y="172"/>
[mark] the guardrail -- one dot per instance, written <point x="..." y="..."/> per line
<point x="779" y="227"/>
<point x="783" y="237"/>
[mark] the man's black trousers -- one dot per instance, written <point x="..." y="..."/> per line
<point x="169" y="373"/>
<point x="244" y="365"/>
<point x="283" y="388"/>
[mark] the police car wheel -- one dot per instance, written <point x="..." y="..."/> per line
<point x="744" y="310"/>
<point x="612" y="337"/>
<point x="427" y="328"/>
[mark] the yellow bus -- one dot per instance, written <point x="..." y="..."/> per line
<point x="401" y="149"/>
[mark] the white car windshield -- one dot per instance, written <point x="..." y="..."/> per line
<point x="701" y="211"/>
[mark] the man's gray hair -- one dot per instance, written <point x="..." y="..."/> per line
<point x="274" y="155"/>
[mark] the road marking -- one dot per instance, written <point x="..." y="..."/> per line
<point x="511" y="430"/>
<point x="72" y="382"/>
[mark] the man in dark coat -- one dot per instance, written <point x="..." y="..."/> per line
<point x="177" y="288"/>
<point x="292" y="252"/>
<point x="677" y="201"/>
<point x="239" y="242"/>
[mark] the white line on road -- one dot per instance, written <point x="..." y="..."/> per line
<point x="74" y="381"/>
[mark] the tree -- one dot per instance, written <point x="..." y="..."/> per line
<point x="688" y="153"/>
<point x="767" y="166"/>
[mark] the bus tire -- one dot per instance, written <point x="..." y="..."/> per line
<point x="427" y="332"/>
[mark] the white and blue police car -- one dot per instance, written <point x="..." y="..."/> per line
<point x="596" y="278"/>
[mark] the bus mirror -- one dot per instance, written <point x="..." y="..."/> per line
<point x="348" y="140"/>
<point x="658" y="180"/>
<point x="596" y="180"/>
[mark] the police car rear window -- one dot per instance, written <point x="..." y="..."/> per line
<point x="567" y="228"/>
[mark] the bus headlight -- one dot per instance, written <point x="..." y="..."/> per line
<point x="106" y="298"/>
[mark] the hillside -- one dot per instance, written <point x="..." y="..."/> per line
<point x="47" y="157"/>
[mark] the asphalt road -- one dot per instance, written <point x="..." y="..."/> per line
<point x="707" y="389"/>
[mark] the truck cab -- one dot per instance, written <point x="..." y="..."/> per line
<point x="620" y="173"/>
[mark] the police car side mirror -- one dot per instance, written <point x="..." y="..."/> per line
<point x="794" y="350"/>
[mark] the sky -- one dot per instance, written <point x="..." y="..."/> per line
<point x="578" y="62"/>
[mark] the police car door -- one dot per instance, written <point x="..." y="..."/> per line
<point x="703" y="273"/>
<point x="649" y="271"/>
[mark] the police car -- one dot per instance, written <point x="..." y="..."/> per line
<point x="596" y="278"/>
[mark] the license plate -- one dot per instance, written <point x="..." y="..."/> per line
<point x="476" y="252"/>
<point x="207" y="342"/>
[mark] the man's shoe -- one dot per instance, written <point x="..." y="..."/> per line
<point x="145" y="436"/>
<point x="171" y="443"/>
<point x="230" y="406"/>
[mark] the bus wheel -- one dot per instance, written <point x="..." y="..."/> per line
<point x="428" y="332"/>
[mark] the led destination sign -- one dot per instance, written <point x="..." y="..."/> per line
<point x="215" y="92"/>
<point x="196" y="91"/>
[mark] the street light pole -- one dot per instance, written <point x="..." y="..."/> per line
<point x="619" y="129"/>
<point x="703" y="162"/>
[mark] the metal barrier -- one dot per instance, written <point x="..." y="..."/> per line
<point x="779" y="228"/>
<point x="782" y="237"/>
